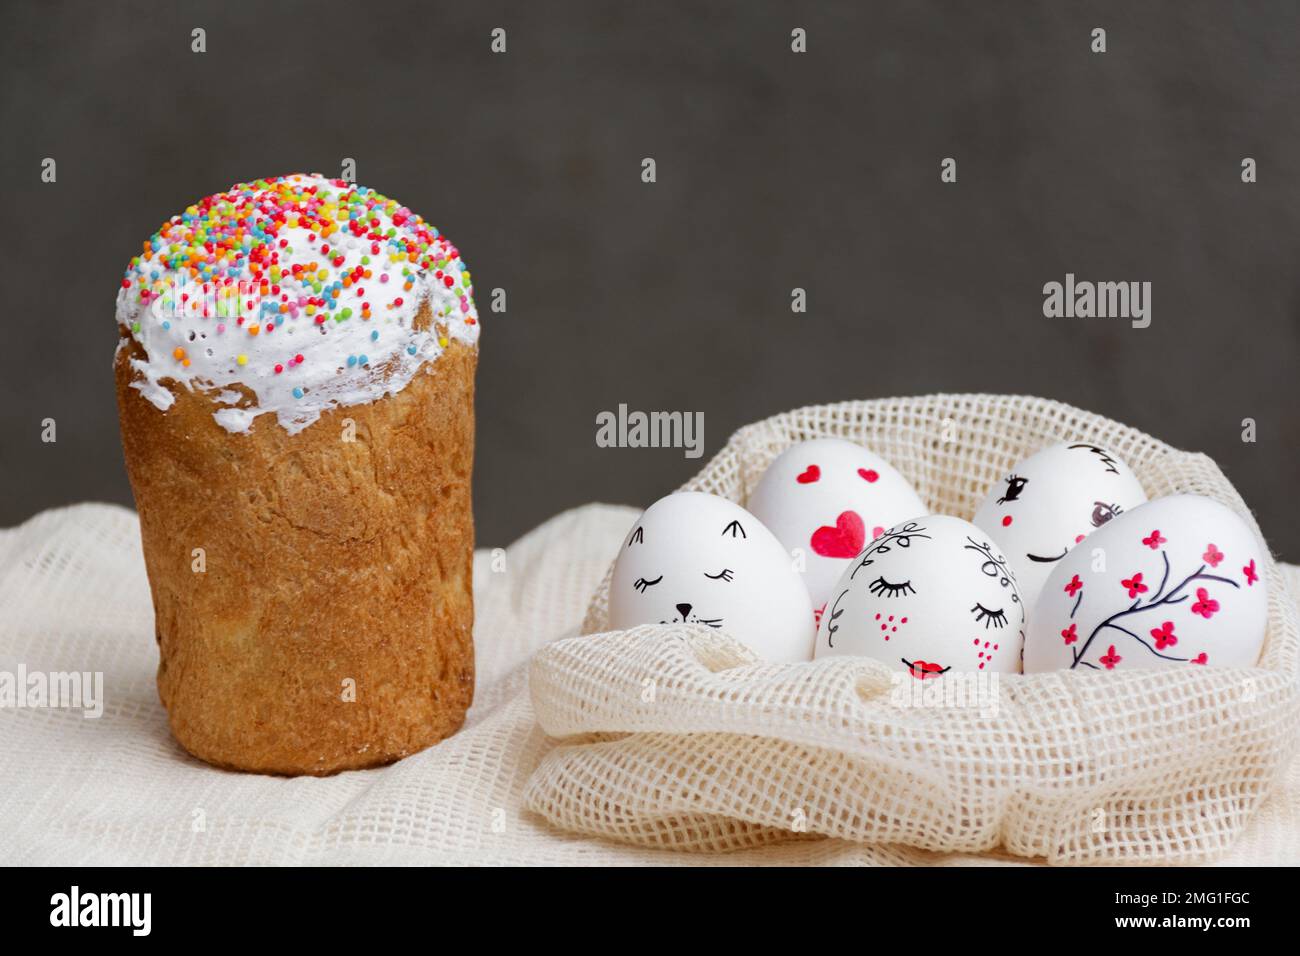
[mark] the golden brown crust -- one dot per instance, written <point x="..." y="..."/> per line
<point x="327" y="561"/>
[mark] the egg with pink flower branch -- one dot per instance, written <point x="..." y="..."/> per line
<point x="1176" y="582"/>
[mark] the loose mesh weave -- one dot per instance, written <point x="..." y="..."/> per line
<point x="120" y="791"/>
<point x="676" y="736"/>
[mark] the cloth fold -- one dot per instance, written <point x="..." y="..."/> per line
<point x="118" y="790"/>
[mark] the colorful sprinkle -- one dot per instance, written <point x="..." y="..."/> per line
<point x="278" y="257"/>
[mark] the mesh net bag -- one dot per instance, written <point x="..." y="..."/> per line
<point x="679" y="737"/>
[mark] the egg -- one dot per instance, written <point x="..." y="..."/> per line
<point x="1051" y="501"/>
<point x="1174" y="582"/>
<point x="825" y="500"/>
<point x="929" y="596"/>
<point x="699" y="559"/>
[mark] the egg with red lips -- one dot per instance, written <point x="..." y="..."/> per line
<point x="1051" y="501"/>
<point x="1177" y="582"/>
<point x="825" y="500"/>
<point x="929" y="596"/>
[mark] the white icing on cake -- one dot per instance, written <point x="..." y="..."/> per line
<point x="223" y="295"/>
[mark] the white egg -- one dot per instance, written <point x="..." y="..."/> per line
<point x="929" y="596"/>
<point x="701" y="559"/>
<point x="1174" y="582"/>
<point x="825" y="500"/>
<point x="1051" y="501"/>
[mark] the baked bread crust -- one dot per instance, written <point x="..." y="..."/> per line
<point x="329" y="625"/>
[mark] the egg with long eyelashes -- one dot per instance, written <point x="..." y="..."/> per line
<point x="929" y="596"/>
<point x="825" y="499"/>
<point x="700" y="559"/>
<point x="1177" y="582"/>
<point x="1049" y="502"/>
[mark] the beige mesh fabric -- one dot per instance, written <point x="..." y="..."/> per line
<point x="118" y="790"/>
<point x="674" y="736"/>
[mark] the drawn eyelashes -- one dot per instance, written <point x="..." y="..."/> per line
<point x="990" y="618"/>
<point x="641" y="584"/>
<point x="1015" y="485"/>
<point x="883" y="588"/>
<point x="1102" y="512"/>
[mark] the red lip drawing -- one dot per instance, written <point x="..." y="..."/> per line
<point x="842" y="541"/>
<point x="923" y="669"/>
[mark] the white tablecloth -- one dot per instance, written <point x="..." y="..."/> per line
<point x="119" y="790"/>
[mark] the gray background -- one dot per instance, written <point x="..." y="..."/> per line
<point x="775" y="170"/>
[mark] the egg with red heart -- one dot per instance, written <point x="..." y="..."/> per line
<point x="928" y="596"/>
<point x="825" y="500"/>
<point x="1176" y="582"/>
<point x="695" y="558"/>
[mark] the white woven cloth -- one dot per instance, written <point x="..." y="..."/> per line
<point x="678" y="737"/>
<point x="118" y="789"/>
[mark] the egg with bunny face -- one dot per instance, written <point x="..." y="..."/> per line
<point x="929" y="596"/>
<point x="700" y="559"/>
<point x="1051" y="501"/>
<point x="824" y="500"/>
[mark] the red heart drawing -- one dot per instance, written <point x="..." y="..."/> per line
<point x="811" y="474"/>
<point x="842" y="541"/>
<point x="869" y="474"/>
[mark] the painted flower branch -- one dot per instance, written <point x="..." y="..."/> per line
<point x="1162" y="636"/>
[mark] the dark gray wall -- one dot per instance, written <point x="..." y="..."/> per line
<point x="775" y="170"/>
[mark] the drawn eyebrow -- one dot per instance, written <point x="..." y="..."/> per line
<point x="638" y="537"/>
<point x="1101" y="453"/>
<point x="901" y="536"/>
<point x="733" y="528"/>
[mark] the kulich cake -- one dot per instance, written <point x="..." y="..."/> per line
<point x="295" y="382"/>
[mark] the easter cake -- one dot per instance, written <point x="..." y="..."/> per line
<point x="295" y="384"/>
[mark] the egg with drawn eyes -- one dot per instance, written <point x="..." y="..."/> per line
<point x="824" y="500"/>
<point x="700" y="559"/>
<point x="1177" y="582"/>
<point x="929" y="596"/>
<point x="1051" y="501"/>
